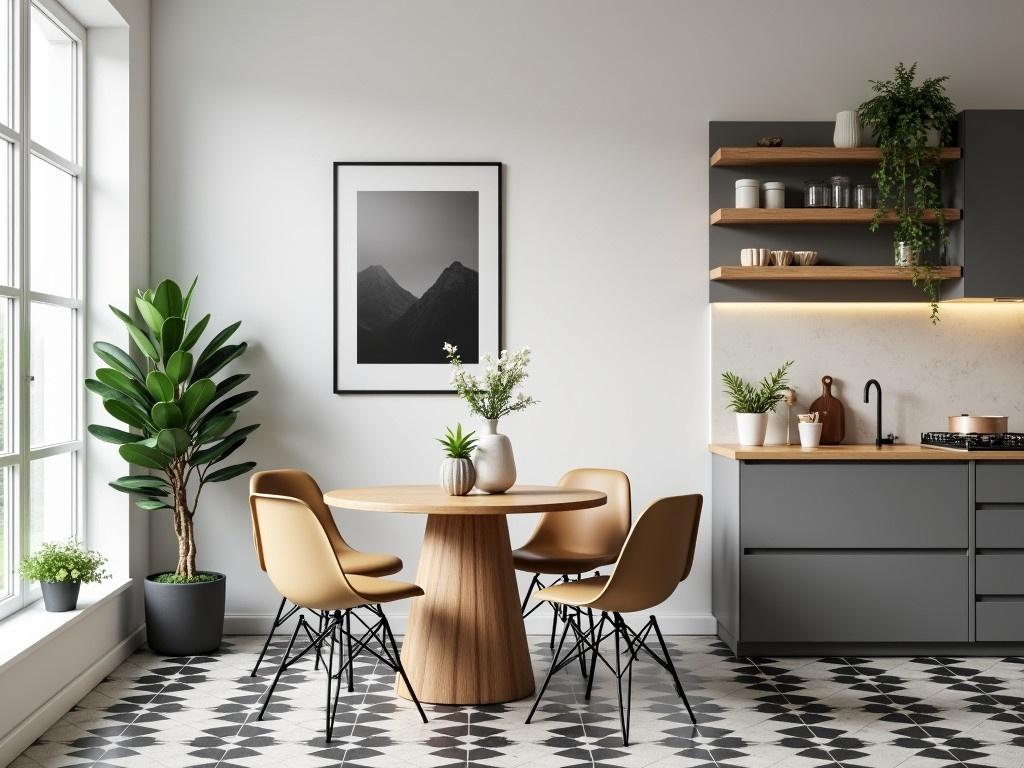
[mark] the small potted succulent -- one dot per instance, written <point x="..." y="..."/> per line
<point x="60" y="570"/>
<point x="457" y="473"/>
<point x="752" y="404"/>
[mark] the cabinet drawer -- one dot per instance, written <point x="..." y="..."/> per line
<point x="841" y="597"/>
<point x="1000" y="528"/>
<point x="1000" y="621"/>
<point x="1000" y="483"/>
<point x="854" y="505"/>
<point x="998" y="574"/>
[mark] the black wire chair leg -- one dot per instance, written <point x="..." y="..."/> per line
<point x="593" y="659"/>
<point x="280" y="669"/>
<point x="672" y="669"/>
<point x="623" y="711"/>
<point x="328" y="715"/>
<point x="401" y="667"/>
<point x="529" y="591"/>
<point x="270" y="636"/>
<point x="319" y="629"/>
<point x="551" y="671"/>
<point x="352" y="661"/>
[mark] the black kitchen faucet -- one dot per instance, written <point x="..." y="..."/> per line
<point x="889" y="439"/>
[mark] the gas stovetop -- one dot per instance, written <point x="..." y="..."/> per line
<point x="974" y="441"/>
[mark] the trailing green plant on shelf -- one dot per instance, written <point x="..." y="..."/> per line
<point x="64" y="563"/>
<point x="185" y="420"/>
<point x="900" y="115"/>
<point x="456" y="444"/>
<point x="745" y="397"/>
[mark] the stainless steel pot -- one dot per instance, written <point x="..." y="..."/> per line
<point x="966" y="423"/>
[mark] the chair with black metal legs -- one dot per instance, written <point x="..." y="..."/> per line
<point x="567" y="544"/>
<point x="657" y="555"/>
<point x="301" y="561"/>
<point x="300" y="485"/>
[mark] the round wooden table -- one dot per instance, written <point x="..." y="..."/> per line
<point x="465" y="642"/>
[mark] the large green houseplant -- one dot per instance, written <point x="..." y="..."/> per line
<point x="905" y="119"/>
<point x="185" y="424"/>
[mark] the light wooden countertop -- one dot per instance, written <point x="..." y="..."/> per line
<point x="857" y="452"/>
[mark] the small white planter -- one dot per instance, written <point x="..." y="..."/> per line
<point x="752" y="428"/>
<point x="458" y="476"/>
<point x="810" y="434"/>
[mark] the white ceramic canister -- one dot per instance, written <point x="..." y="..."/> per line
<point x="810" y="434"/>
<point x="847" y="133"/>
<point x="774" y="194"/>
<point x="746" y="193"/>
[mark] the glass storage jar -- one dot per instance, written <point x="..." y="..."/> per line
<point x="864" y="196"/>
<point x="816" y="194"/>
<point x="840" y="191"/>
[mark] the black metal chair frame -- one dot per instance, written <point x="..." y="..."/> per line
<point x="334" y="627"/>
<point x="634" y="642"/>
<point x="560" y="612"/>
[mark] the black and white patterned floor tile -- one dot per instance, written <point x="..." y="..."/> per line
<point x="753" y="713"/>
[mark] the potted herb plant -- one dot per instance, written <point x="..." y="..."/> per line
<point x="186" y="431"/>
<point x="457" y="473"/>
<point x="905" y="119"/>
<point x="752" y="404"/>
<point x="490" y="398"/>
<point x="61" y="569"/>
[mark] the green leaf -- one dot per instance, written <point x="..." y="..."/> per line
<point x="112" y="435"/>
<point x="151" y="485"/>
<point x="149" y="313"/>
<point x="229" y="404"/>
<point x="160" y="386"/>
<point x="218" y="341"/>
<point x="167" y="299"/>
<point x="216" y="427"/>
<point x="152" y="504"/>
<point x="173" y="442"/>
<point x="187" y="304"/>
<point x="126" y="385"/>
<point x="196" y="398"/>
<point x="107" y="393"/>
<point x="139" y="336"/>
<point x="144" y="456"/>
<point x="130" y="414"/>
<point x="229" y="383"/>
<point x="218" y="451"/>
<point x="193" y="335"/>
<point x="216" y="361"/>
<point x="179" y="366"/>
<point x="227" y="473"/>
<point x="167" y="415"/>
<point x="117" y="358"/>
<point x="171" y="336"/>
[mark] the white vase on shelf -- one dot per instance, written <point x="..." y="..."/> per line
<point x="847" y="133"/>
<point x="493" y="459"/>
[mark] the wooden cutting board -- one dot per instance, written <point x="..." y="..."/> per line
<point x="833" y="418"/>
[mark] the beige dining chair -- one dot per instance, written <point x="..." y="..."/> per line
<point x="566" y="544"/>
<point x="657" y="555"/>
<point x="300" y="559"/>
<point x="300" y="485"/>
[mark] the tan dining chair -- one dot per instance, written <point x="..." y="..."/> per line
<point x="566" y="544"/>
<point x="301" y="561"/>
<point x="657" y="555"/>
<point x="300" y="485"/>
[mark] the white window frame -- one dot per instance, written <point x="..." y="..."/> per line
<point x="17" y="137"/>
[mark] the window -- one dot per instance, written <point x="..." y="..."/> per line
<point x="41" y="244"/>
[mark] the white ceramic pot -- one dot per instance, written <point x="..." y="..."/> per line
<point x="752" y="428"/>
<point x="847" y="133"/>
<point x="810" y="434"/>
<point x="458" y="476"/>
<point x="495" y="465"/>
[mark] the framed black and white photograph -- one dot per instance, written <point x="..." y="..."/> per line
<point x="417" y="263"/>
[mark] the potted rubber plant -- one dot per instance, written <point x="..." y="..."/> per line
<point x="186" y="429"/>
<point x="61" y="569"/>
<point x="752" y="403"/>
<point x="457" y="473"/>
<point x="910" y="122"/>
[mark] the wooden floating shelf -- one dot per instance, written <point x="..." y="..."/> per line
<point x="738" y="216"/>
<point x="829" y="273"/>
<point x="755" y="156"/>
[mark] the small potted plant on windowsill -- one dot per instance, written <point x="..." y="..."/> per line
<point x="752" y="404"/>
<point x="457" y="473"/>
<point x="61" y="569"/>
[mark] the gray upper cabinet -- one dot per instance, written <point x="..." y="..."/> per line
<point x="987" y="186"/>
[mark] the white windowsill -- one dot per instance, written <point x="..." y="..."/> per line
<point x="25" y="629"/>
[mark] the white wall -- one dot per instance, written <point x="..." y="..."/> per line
<point x="600" y="112"/>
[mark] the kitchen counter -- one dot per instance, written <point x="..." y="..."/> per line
<point x="857" y="452"/>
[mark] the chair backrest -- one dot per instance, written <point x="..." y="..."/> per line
<point x="296" y="484"/>
<point x="657" y="555"/>
<point x="597" y="531"/>
<point x="297" y="554"/>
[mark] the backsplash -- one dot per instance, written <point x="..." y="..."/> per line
<point x="971" y="362"/>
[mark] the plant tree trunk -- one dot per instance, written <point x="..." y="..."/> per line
<point x="183" y="525"/>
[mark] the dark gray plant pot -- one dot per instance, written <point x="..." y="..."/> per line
<point x="60" y="596"/>
<point x="185" y="619"/>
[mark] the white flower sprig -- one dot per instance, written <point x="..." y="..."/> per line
<point x="492" y="397"/>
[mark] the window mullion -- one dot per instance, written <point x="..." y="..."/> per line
<point x="24" y="346"/>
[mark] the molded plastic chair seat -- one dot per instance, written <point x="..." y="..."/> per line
<point x="553" y="561"/>
<point x="379" y="590"/>
<point x="369" y="563"/>
<point x="575" y="593"/>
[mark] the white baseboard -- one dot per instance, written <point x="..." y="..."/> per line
<point x="36" y="724"/>
<point x="537" y="624"/>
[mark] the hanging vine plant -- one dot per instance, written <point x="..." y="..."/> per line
<point x="903" y="117"/>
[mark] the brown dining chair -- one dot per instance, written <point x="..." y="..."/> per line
<point x="657" y="555"/>
<point x="571" y="543"/>
<point x="300" y="558"/>
<point x="300" y="485"/>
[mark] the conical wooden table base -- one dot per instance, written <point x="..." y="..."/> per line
<point x="465" y="642"/>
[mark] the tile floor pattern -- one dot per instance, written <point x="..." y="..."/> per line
<point x="879" y="713"/>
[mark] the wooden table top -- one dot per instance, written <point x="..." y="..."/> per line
<point x="857" y="452"/>
<point x="432" y="500"/>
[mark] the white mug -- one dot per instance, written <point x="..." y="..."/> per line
<point x="810" y="434"/>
